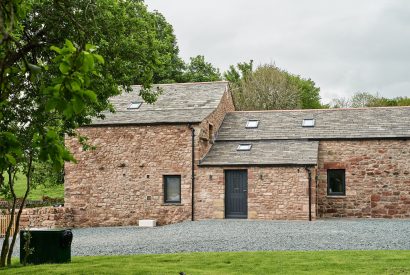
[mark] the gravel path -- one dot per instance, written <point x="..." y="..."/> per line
<point x="244" y="235"/>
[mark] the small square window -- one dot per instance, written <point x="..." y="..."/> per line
<point x="244" y="147"/>
<point x="135" y="105"/>
<point x="172" y="189"/>
<point x="308" y="122"/>
<point x="252" y="124"/>
<point x="336" y="184"/>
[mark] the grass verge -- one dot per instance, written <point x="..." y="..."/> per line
<point x="272" y="262"/>
<point x="55" y="191"/>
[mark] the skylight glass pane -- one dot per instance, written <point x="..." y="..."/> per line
<point x="244" y="147"/>
<point x="308" y="122"/>
<point x="135" y="105"/>
<point x="252" y="124"/>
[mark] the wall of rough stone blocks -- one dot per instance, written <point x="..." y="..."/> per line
<point x="377" y="178"/>
<point x="49" y="217"/>
<point x="122" y="180"/>
<point x="274" y="193"/>
<point x="206" y="138"/>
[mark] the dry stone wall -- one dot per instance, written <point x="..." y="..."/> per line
<point x="48" y="217"/>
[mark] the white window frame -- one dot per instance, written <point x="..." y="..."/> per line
<point x="252" y="123"/>
<point x="244" y="147"/>
<point x="308" y="122"/>
<point x="134" y="105"/>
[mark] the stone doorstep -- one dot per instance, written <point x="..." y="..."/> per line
<point x="147" y="223"/>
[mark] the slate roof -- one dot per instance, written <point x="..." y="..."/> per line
<point x="178" y="103"/>
<point x="280" y="152"/>
<point x="280" y="138"/>
<point x="329" y="124"/>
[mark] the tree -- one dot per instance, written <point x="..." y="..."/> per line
<point x="234" y="75"/>
<point x="198" y="70"/>
<point x="33" y="119"/>
<point x="266" y="88"/>
<point x="278" y="87"/>
<point x="365" y="99"/>
<point x="139" y="46"/>
<point x="340" y="102"/>
<point x="362" y="99"/>
<point x="308" y="92"/>
<point x="243" y="75"/>
<point x="45" y="91"/>
<point x="386" y="102"/>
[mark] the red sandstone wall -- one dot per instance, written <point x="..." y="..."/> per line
<point x="50" y="217"/>
<point x="215" y="118"/>
<point x="377" y="178"/>
<point x="122" y="180"/>
<point x="274" y="193"/>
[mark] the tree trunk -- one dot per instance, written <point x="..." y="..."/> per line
<point x="28" y="181"/>
<point x="5" y="248"/>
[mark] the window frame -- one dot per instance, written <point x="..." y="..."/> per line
<point x="248" y="147"/>
<point x="248" y="126"/>
<point x="139" y="103"/>
<point x="343" y="183"/>
<point x="306" y="120"/>
<point x="165" y="177"/>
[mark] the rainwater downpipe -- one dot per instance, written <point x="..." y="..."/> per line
<point x="192" y="170"/>
<point x="310" y="192"/>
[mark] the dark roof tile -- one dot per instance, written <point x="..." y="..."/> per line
<point x="178" y="103"/>
<point x="280" y="152"/>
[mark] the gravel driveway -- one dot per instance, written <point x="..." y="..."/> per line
<point x="244" y="235"/>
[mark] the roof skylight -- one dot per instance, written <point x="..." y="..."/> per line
<point x="308" y="122"/>
<point x="252" y="124"/>
<point x="134" y="105"/>
<point x="244" y="147"/>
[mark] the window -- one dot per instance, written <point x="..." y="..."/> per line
<point x="172" y="189"/>
<point x="135" y="105"/>
<point x="252" y="124"/>
<point x="308" y="122"/>
<point x="336" y="185"/>
<point x="244" y="147"/>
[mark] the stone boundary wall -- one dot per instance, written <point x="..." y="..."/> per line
<point x="50" y="217"/>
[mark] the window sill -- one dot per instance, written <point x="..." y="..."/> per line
<point x="172" y="204"/>
<point x="336" y="196"/>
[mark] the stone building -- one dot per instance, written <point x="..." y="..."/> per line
<point x="153" y="161"/>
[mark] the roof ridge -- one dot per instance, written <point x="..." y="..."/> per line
<point x="166" y="110"/>
<point x="324" y="110"/>
<point x="186" y="83"/>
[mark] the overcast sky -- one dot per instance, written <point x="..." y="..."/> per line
<point x="344" y="46"/>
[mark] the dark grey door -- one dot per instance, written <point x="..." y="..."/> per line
<point x="236" y="194"/>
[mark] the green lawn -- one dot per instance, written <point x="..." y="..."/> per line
<point x="322" y="262"/>
<point x="56" y="191"/>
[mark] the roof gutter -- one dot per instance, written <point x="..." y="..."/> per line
<point x="192" y="170"/>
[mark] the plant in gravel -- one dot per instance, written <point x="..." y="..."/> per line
<point x="28" y="251"/>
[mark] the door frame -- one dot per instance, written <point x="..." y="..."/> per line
<point x="247" y="192"/>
